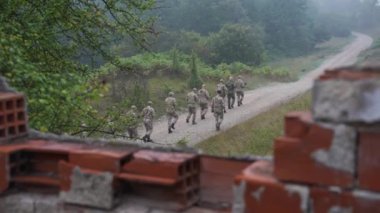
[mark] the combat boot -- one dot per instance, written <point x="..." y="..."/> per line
<point x="172" y="126"/>
<point x="187" y="120"/>
<point x="144" y="138"/>
<point x="170" y="130"/>
<point x="202" y="117"/>
<point x="148" y="139"/>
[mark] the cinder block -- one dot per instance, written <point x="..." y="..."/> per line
<point x="257" y="190"/>
<point x="323" y="157"/>
<point x="89" y="189"/>
<point x="345" y="101"/>
<point x="369" y="161"/>
<point x="336" y="200"/>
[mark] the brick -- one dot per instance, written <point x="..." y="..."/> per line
<point x="297" y="124"/>
<point x="351" y="74"/>
<point x="4" y="172"/>
<point x="326" y="201"/>
<point x="369" y="161"/>
<point x="162" y="164"/>
<point x="345" y="101"/>
<point x="217" y="177"/>
<point x="99" y="160"/>
<point x="298" y="160"/>
<point x="257" y="190"/>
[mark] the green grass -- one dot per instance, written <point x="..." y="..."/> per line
<point x="256" y="135"/>
<point x="372" y="55"/>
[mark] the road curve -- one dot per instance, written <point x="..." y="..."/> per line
<point x="257" y="101"/>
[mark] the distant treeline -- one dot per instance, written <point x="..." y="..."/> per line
<point x="249" y="31"/>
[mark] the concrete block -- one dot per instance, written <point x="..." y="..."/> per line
<point x="93" y="190"/>
<point x="343" y="101"/>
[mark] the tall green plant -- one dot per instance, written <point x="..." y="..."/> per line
<point x="176" y="68"/>
<point x="194" y="81"/>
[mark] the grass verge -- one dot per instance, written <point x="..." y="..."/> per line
<point x="256" y="135"/>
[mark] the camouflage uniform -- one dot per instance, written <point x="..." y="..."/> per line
<point x="192" y="101"/>
<point x="132" y="119"/>
<point x="171" y="104"/>
<point x="204" y="98"/>
<point x="148" y="115"/>
<point x="240" y="84"/>
<point x="230" y="92"/>
<point x="223" y="90"/>
<point x="217" y="107"/>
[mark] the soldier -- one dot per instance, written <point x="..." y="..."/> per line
<point x="171" y="105"/>
<point x="240" y="85"/>
<point x="230" y="92"/>
<point x="148" y="115"/>
<point x="217" y="107"/>
<point x="192" y="101"/>
<point x="223" y="90"/>
<point x="132" y="119"/>
<point x="204" y="98"/>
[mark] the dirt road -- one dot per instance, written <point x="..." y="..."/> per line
<point x="256" y="101"/>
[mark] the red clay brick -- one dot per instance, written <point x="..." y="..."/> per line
<point x="297" y="124"/>
<point x="369" y="161"/>
<point x="161" y="164"/>
<point x="4" y="173"/>
<point x="99" y="160"/>
<point x="350" y="74"/>
<point x="264" y="193"/>
<point x="293" y="159"/>
<point x="65" y="169"/>
<point x="325" y="201"/>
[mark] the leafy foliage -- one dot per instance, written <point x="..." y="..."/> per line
<point x="235" y="42"/>
<point x="43" y="42"/>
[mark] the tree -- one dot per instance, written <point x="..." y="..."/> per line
<point x="194" y="81"/>
<point x="202" y="16"/>
<point x="236" y="42"/>
<point x="288" y="28"/>
<point x="42" y="43"/>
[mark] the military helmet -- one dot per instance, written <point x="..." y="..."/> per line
<point x="171" y="94"/>
<point x="195" y="89"/>
<point x="239" y="77"/>
<point x="150" y="103"/>
<point x="221" y="80"/>
<point x="133" y="107"/>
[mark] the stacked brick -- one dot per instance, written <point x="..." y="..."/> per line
<point x="169" y="177"/>
<point x="13" y="119"/>
<point x="98" y="176"/>
<point x="328" y="160"/>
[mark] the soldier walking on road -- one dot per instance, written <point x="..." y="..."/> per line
<point x="171" y="106"/>
<point x="240" y="85"/>
<point x="132" y="120"/>
<point x="223" y="90"/>
<point x="148" y="115"/>
<point x="217" y="107"/>
<point x="230" y="92"/>
<point x="192" y="101"/>
<point x="204" y="98"/>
